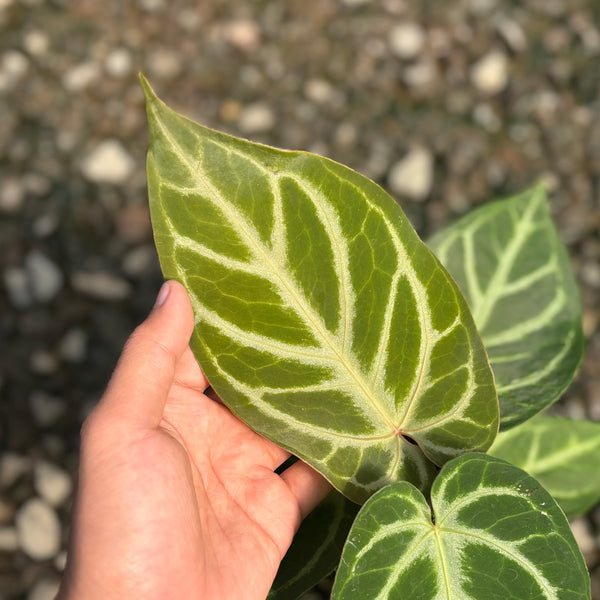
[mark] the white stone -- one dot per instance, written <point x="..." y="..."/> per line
<point x="44" y="589"/>
<point x="14" y="63"/>
<point x="420" y="75"/>
<point x="139" y="261"/>
<point x="255" y="118"/>
<point x="45" y="278"/>
<point x="60" y="561"/>
<point x="12" y="467"/>
<point x="12" y="195"/>
<point x="46" y="409"/>
<point x="109" y="162"/>
<point x="407" y="40"/>
<point x="118" y="63"/>
<point x="79" y="77"/>
<point x="53" y="484"/>
<point x="9" y="541"/>
<point x="320" y="91"/>
<point x="513" y="34"/>
<point x="35" y="42"/>
<point x="164" y="64"/>
<point x="413" y="175"/>
<point x="5" y="4"/>
<point x="101" y="285"/>
<point x="73" y="345"/>
<point x="243" y="34"/>
<point x="38" y="529"/>
<point x="490" y="73"/>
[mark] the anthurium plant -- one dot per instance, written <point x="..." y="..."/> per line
<point x="387" y="364"/>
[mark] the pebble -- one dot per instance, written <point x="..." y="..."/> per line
<point x="16" y="284"/>
<point x="420" y="75"/>
<point x="7" y="511"/>
<point x="243" y="35"/>
<point x="73" y="346"/>
<point x="407" y="40"/>
<point x="512" y="33"/>
<point x="413" y="175"/>
<point x="164" y="64"/>
<point x="38" y="529"/>
<point x="255" y="118"/>
<point x="60" y="561"/>
<point x="46" y="409"/>
<point x="44" y="589"/>
<point x="118" y="63"/>
<point x="36" y="42"/>
<point x="101" y="285"/>
<point x="490" y="73"/>
<point x="13" y="67"/>
<point x="583" y="536"/>
<point x="12" y="467"/>
<point x="53" y="484"/>
<point x="323" y="93"/>
<point x="139" y="261"/>
<point x="81" y="76"/>
<point x="9" y="540"/>
<point x="108" y="162"/>
<point x="43" y="362"/>
<point x="45" y="278"/>
<point x="12" y="195"/>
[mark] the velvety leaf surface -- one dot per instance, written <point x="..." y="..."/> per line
<point x="322" y="320"/>
<point x="316" y="549"/>
<point x="498" y="535"/>
<point x="515" y="273"/>
<point x="563" y="455"/>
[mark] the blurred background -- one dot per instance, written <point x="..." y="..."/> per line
<point x="446" y="104"/>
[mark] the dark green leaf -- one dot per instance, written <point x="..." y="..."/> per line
<point x="563" y="455"/>
<point x="498" y="535"/>
<point x="515" y="273"/>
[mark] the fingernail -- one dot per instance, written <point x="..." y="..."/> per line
<point x="162" y="294"/>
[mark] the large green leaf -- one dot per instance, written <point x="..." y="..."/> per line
<point x="515" y="273"/>
<point x="316" y="549"/>
<point x="322" y="320"/>
<point x="564" y="455"/>
<point x="496" y="535"/>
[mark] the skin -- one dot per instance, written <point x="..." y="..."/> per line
<point x="176" y="497"/>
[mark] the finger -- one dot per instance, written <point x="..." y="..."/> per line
<point x="141" y="382"/>
<point x="308" y="486"/>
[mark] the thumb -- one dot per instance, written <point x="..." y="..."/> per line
<point x="144" y="374"/>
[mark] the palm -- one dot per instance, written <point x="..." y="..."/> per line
<point x="240" y="514"/>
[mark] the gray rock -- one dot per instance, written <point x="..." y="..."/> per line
<point x="12" y="467"/>
<point x="407" y="40"/>
<point x="81" y="76"/>
<point x="38" y="529"/>
<point x="9" y="540"/>
<point x="53" y="484"/>
<point x="44" y="589"/>
<point x="101" y="285"/>
<point x="489" y="74"/>
<point x="46" y="409"/>
<point x="256" y="117"/>
<point x="45" y="278"/>
<point x="43" y="362"/>
<point x="139" y="261"/>
<point x="413" y="175"/>
<point x="16" y="284"/>
<point x="73" y="346"/>
<point x="109" y="162"/>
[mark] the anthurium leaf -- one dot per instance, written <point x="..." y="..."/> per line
<point x="322" y="320"/>
<point x="496" y="535"/>
<point x="316" y="549"/>
<point x="563" y="455"/>
<point x="515" y="273"/>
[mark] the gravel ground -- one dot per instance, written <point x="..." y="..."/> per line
<point x="446" y="104"/>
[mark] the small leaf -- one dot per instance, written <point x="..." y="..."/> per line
<point x="515" y="273"/>
<point x="316" y="549"/>
<point x="322" y="320"/>
<point x="497" y="535"/>
<point x="563" y="455"/>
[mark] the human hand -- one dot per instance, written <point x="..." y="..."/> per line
<point x="177" y="498"/>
